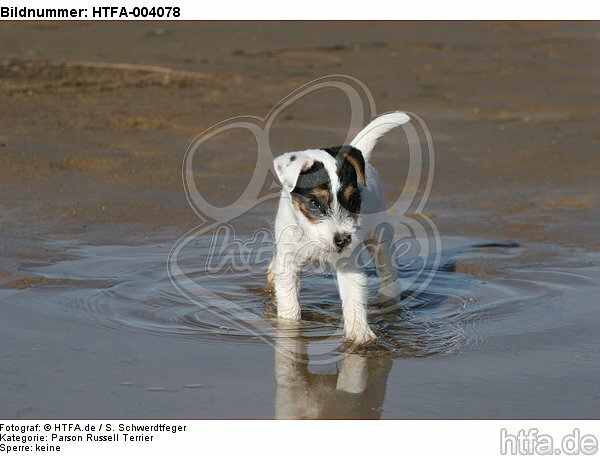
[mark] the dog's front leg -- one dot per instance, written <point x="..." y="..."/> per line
<point x="287" y="286"/>
<point x="380" y="245"/>
<point x="389" y="284"/>
<point x="352" y="284"/>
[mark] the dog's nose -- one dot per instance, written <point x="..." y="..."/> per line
<point x="341" y="240"/>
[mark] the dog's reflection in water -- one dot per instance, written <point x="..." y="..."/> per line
<point x="355" y="390"/>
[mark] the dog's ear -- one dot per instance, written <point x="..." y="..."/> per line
<point x="355" y="158"/>
<point x="289" y="166"/>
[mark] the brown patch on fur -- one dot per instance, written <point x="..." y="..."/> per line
<point x="321" y="193"/>
<point x="348" y="193"/>
<point x="302" y="208"/>
<point x="359" y="171"/>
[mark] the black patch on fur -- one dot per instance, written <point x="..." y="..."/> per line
<point x="310" y="190"/>
<point x="348" y="199"/>
<point x="292" y="158"/>
<point x="315" y="176"/>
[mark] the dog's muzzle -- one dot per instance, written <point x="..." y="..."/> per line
<point x="341" y="240"/>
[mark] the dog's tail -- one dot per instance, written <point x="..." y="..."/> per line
<point x="367" y="138"/>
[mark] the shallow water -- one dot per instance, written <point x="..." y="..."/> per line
<point x="128" y="288"/>
<point x="513" y="318"/>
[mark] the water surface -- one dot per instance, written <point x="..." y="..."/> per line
<point x="107" y="325"/>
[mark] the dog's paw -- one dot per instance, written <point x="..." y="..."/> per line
<point x="360" y="338"/>
<point x="291" y="313"/>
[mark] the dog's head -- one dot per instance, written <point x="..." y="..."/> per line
<point x="325" y="187"/>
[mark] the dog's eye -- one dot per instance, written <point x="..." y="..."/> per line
<point x="314" y="205"/>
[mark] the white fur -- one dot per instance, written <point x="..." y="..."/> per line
<point x="300" y="242"/>
<point x="365" y="141"/>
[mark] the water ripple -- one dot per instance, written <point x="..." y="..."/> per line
<point x="457" y="311"/>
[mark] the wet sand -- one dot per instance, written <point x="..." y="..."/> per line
<point x="92" y="201"/>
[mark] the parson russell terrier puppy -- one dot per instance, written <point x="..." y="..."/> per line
<point x="331" y="205"/>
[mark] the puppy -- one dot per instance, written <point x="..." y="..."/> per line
<point x="332" y="204"/>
